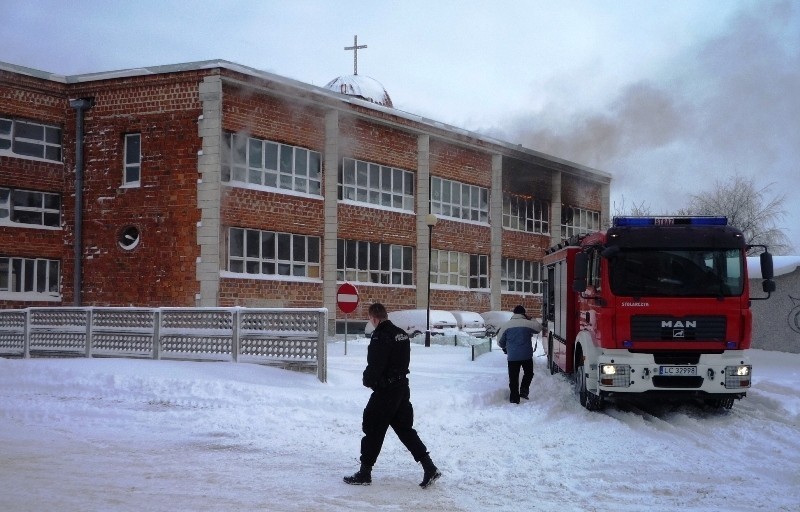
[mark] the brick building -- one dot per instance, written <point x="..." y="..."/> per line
<point x="213" y="184"/>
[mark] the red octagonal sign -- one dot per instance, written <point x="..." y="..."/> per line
<point x="347" y="298"/>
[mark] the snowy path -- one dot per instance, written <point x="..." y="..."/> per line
<point x="134" y="435"/>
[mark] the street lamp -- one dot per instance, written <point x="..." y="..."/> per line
<point x="430" y="220"/>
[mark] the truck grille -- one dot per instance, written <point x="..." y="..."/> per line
<point x="670" y="328"/>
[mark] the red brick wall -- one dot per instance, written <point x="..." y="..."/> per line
<point x="580" y="193"/>
<point x="160" y="271"/>
<point x="40" y="101"/>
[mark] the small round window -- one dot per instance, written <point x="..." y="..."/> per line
<point x="129" y="238"/>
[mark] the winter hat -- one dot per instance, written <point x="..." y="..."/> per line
<point x="519" y="310"/>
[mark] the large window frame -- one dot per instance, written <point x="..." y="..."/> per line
<point x="20" y="207"/>
<point x="458" y="200"/>
<point x="524" y="213"/>
<point x="456" y="268"/>
<point x="30" y="275"/>
<point x="28" y="139"/>
<point x="578" y="221"/>
<point x="256" y="252"/>
<point x="374" y="262"/>
<point x="375" y="184"/>
<point x="271" y="164"/>
<point x="132" y="167"/>
<point x="520" y="276"/>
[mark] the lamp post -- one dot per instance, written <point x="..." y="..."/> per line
<point x="430" y="220"/>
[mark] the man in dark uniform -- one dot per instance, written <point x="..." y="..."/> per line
<point x="388" y="357"/>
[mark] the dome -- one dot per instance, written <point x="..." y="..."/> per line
<point x="362" y="87"/>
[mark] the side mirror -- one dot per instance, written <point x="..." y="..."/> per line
<point x="767" y="271"/>
<point x="768" y="286"/>
<point x="581" y="265"/>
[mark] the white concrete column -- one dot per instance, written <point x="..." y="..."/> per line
<point x="423" y="209"/>
<point x="605" y="206"/>
<point x="555" y="210"/>
<point x="496" y="223"/>
<point x="209" y="167"/>
<point x="331" y="194"/>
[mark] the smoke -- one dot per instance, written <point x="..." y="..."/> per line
<point x="729" y="105"/>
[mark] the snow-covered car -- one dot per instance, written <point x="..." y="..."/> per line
<point x="494" y="320"/>
<point x="470" y="322"/>
<point x="414" y="321"/>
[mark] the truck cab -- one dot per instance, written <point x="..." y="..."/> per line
<point x="654" y="306"/>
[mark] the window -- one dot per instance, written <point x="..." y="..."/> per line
<point x="373" y="262"/>
<point x="21" y="275"/>
<point x="133" y="160"/>
<point x="577" y="221"/>
<point x="525" y="214"/>
<point x="270" y="164"/>
<point x="372" y="183"/>
<point x="520" y="276"/>
<point x="459" y="269"/>
<point x="26" y="139"/>
<point x="654" y="272"/>
<point x="129" y="238"/>
<point x="29" y="207"/>
<point x="459" y="200"/>
<point x="264" y="252"/>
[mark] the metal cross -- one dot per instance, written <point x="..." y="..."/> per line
<point x="355" y="49"/>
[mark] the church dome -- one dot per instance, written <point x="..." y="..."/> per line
<point x="362" y="87"/>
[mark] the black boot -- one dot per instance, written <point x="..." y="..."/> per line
<point x="361" y="477"/>
<point x="432" y="473"/>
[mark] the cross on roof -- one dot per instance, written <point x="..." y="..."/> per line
<point x="355" y="49"/>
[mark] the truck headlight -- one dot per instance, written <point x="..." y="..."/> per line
<point x="738" y="376"/>
<point x="618" y="375"/>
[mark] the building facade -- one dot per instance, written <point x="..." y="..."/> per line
<point x="213" y="184"/>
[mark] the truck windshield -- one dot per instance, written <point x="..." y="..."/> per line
<point x="677" y="273"/>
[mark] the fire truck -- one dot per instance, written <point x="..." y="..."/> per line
<point x="653" y="307"/>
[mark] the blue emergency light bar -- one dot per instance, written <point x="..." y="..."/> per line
<point x="671" y="221"/>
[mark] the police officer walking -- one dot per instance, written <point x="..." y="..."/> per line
<point x="388" y="357"/>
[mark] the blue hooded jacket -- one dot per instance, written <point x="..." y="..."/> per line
<point x="515" y="337"/>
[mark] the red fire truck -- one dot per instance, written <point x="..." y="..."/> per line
<point x="652" y="306"/>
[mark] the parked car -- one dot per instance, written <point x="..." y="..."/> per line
<point x="414" y="321"/>
<point x="494" y="320"/>
<point x="470" y="323"/>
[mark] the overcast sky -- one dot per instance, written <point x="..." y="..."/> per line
<point x="667" y="96"/>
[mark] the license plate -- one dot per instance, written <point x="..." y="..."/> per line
<point x="677" y="370"/>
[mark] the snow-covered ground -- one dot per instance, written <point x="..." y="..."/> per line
<point x="140" y="435"/>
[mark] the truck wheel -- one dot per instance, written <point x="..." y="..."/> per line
<point x="587" y="399"/>
<point x="550" y="364"/>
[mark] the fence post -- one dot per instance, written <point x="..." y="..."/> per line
<point x="89" y="331"/>
<point x="157" y="334"/>
<point x="235" y="324"/>
<point x="26" y="335"/>
<point x="322" y="346"/>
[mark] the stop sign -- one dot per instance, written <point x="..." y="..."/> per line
<point x="347" y="298"/>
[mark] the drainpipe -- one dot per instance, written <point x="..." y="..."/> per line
<point x="81" y="105"/>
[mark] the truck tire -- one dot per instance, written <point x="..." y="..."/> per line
<point x="551" y="365"/>
<point x="586" y="398"/>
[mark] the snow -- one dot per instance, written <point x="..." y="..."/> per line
<point x="132" y="435"/>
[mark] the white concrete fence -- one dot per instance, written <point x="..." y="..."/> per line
<point x="287" y="338"/>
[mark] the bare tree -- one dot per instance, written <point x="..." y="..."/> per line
<point x="636" y="210"/>
<point x="752" y="210"/>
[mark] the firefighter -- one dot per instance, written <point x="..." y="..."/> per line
<point x="515" y="340"/>
<point x="388" y="357"/>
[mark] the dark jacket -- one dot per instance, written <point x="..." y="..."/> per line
<point x="515" y="337"/>
<point x="388" y="356"/>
